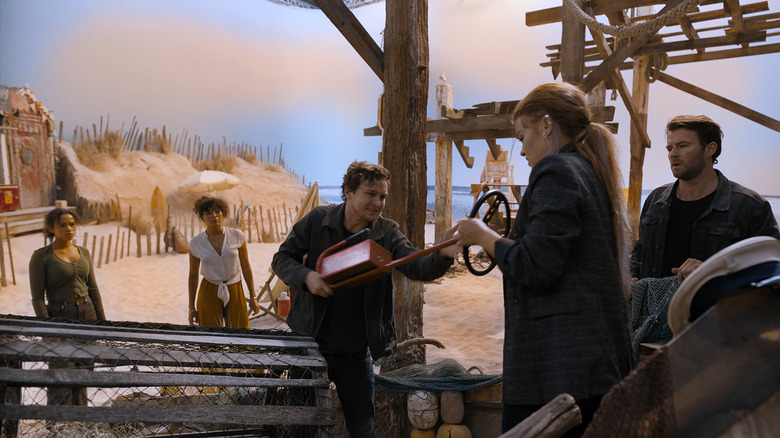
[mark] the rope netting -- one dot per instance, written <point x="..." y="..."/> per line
<point x="129" y="379"/>
<point x="648" y="26"/>
<point x="650" y="298"/>
<point x="445" y="375"/>
<point x="311" y="4"/>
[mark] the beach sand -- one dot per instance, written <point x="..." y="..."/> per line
<point x="462" y="311"/>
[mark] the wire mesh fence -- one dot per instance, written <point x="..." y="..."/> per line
<point x="128" y="379"/>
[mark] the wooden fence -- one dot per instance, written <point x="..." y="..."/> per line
<point x="193" y="148"/>
<point x="261" y="225"/>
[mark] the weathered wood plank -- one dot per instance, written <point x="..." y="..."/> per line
<point x="107" y="333"/>
<point x="625" y="95"/>
<point x="608" y="66"/>
<point x="88" y="354"/>
<point x="726" y="363"/>
<point x="34" y="322"/>
<point x="722" y="102"/>
<point x="237" y="415"/>
<point x="703" y="43"/>
<point x="354" y="32"/>
<point x="552" y="420"/>
<point x="107" y="379"/>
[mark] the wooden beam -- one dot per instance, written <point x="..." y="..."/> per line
<point x="464" y="153"/>
<point x="349" y="26"/>
<point x="722" y="102"/>
<point x="405" y="156"/>
<point x="727" y="40"/>
<point x="598" y="7"/>
<point x="215" y="414"/>
<point x="625" y="95"/>
<point x="733" y="7"/>
<point x="614" y="60"/>
<point x="470" y="124"/>
<point x="115" y="379"/>
<point x="443" y="172"/>
<point x="689" y="30"/>
<point x="572" y="53"/>
<point x="495" y="149"/>
<point x="470" y="135"/>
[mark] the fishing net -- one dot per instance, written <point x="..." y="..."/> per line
<point x="649" y="305"/>
<point x="641" y="405"/>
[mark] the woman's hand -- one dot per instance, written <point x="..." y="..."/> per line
<point x="193" y="317"/>
<point x="253" y="306"/>
<point x="476" y="232"/>
<point x="317" y="285"/>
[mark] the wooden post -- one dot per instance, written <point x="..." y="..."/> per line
<point x="641" y="96"/>
<point x="271" y="237"/>
<point x="108" y="251"/>
<point x="137" y="244"/>
<point x="157" y="231"/>
<point x="122" y="250"/>
<point x="100" y="255"/>
<point x="404" y="115"/>
<point x="257" y="224"/>
<point x="573" y="52"/>
<point x="443" y="187"/>
<point x="94" y="244"/>
<point x="3" y="278"/>
<point x="10" y="253"/>
<point x="84" y="242"/>
<point x="116" y="248"/>
<point x="129" y="228"/>
<point x="148" y="242"/>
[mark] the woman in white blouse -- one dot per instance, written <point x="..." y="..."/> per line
<point x="221" y="256"/>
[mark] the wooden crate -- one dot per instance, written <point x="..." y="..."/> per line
<point x="164" y="379"/>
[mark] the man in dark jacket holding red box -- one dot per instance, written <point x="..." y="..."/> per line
<point x="351" y="325"/>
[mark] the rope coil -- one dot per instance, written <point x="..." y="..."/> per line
<point x="649" y="26"/>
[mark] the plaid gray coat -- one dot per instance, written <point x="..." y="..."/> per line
<point x="566" y="321"/>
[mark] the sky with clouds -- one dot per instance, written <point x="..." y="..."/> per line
<point x="256" y="72"/>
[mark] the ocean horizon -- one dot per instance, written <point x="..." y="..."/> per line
<point x="462" y="201"/>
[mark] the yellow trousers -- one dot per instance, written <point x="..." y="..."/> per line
<point x="211" y="313"/>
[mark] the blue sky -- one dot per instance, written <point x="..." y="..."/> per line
<point x="264" y="74"/>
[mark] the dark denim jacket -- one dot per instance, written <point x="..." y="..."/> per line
<point x="319" y="230"/>
<point x="736" y="213"/>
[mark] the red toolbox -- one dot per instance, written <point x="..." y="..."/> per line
<point x="9" y="197"/>
<point x="356" y="259"/>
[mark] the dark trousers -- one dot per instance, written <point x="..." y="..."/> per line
<point x="513" y="415"/>
<point x="354" y="378"/>
<point x="78" y="309"/>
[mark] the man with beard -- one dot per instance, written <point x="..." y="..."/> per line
<point x="685" y="222"/>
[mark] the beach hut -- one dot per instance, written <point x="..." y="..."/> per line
<point x="26" y="150"/>
<point x="27" y="160"/>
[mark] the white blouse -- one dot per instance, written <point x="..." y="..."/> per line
<point x="220" y="270"/>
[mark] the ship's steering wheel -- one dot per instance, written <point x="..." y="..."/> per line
<point x="493" y="217"/>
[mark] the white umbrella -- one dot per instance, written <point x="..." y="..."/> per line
<point x="207" y="181"/>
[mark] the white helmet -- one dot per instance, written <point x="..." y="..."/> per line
<point x="697" y="292"/>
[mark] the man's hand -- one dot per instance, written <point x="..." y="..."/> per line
<point x="452" y="250"/>
<point x="685" y="269"/>
<point x="317" y="285"/>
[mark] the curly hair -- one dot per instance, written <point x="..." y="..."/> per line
<point x="206" y="203"/>
<point x="362" y="171"/>
<point x="53" y="216"/>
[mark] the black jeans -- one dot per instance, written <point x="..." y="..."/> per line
<point x="353" y="375"/>
<point x="78" y="309"/>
